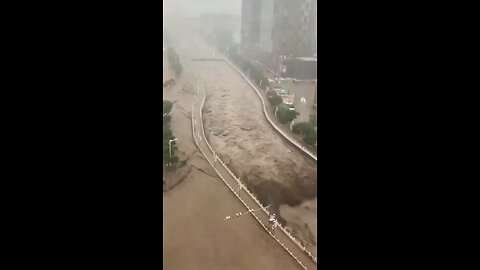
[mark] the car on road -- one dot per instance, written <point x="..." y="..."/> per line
<point x="288" y="99"/>
<point x="281" y="92"/>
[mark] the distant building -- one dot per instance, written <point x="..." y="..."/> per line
<point x="301" y="68"/>
<point x="314" y="41"/>
<point x="294" y="29"/>
<point x="266" y="25"/>
<point x="250" y="33"/>
<point x="275" y="28"/>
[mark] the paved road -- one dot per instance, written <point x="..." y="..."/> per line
<point x="302" y="257"/>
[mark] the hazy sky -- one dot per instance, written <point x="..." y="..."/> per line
<point x="197" y="7"/>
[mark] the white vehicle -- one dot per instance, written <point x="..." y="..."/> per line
<point x="283" y="93"/>
<point x="288" y="99"/>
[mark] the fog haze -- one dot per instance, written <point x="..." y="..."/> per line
<point x="190" y="8"/>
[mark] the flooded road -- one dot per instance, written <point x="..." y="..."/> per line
<point x="272" y="168"/>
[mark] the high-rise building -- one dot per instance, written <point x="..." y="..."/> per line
<point x="250" y="34"/>
<point x="314" y="41"/>
<point x="266" y="25"/>
<point x="274" y="28"/>
<point x="308" y="27"/>
<point x="294" y="32"/>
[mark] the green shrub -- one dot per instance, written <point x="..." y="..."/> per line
<point x="285" y="115"/>
<point x="313" y="119"/>
<point x="310" y="136"/>
<point x="301" y="128"/>
<point x="167" y="106"/>
<point x="275" y="100"/>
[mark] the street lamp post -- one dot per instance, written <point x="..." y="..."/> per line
<point x="170" y="145"/>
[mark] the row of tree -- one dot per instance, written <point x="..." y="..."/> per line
<point x="287" y="114"/>
<point x="307" y="130"/>
<point x="174" y="61"/>
<point x="249" y="68"/>
<point x="168" y="135"/>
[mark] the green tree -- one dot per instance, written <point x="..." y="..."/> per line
<point x="285" y="114"/>
<point x="313" y="119"/>
<point x="258" y="76"/>
<point x="174" y="61"/>
<point x="275" y="100"/>
<point x="167" y="106"/>
<point x="302" y="128"/>
<point x="310" y="136"/>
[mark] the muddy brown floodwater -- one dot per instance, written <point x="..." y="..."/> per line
<point x="272" y="168"/>
<point x="196" y="236"/>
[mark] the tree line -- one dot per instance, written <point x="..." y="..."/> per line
<point x="174" y="61"/>
<point x="285" y="113"/>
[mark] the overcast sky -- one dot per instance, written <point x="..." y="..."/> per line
<point x="197" y="7"/>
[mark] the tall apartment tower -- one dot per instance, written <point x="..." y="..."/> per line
<point x="250" y="32"/>
<point x="266" y="25"/>
<point x="271" y="28"/>
<point x="314" y="14"/>
<point x="308" y="27"/>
